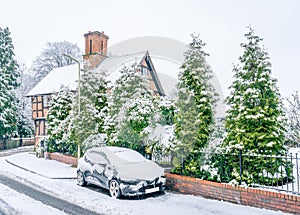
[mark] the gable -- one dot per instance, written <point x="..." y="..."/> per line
<point x="113" y="64"/>
<point x="155" y="82"/>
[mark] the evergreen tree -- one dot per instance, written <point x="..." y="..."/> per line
<point x="93" y="107"/>
<point x="131" y="110"/>
<point x="9" y="75"/>
<point x="195" y="108"/>
<point x="102" y="107"/>
<point x="57" y="120"/>
<point x="255" y="119"/>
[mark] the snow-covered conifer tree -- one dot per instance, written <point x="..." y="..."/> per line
<point x="93" y="107"/>
<point x="255" y="119"/>
<point x="195" y="107"/>
<point x="131" y="109"/>
<point x="9" y="75"/>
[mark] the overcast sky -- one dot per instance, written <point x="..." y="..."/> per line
<point x="221" y="24"/>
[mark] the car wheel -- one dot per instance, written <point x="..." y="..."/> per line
<point x="114" y="189"/>
<point x="80" y="179"/>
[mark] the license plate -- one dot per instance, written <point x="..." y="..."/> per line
<point x="152" y="190"/>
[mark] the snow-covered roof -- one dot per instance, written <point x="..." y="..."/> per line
<point x="68" y="75"/>
<point x="64" y="76"/>
<point x="112" y="65"/>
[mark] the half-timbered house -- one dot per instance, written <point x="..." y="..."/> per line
<point x="96" y="58"/>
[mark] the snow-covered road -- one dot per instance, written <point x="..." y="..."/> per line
<point x="98" y="200"/>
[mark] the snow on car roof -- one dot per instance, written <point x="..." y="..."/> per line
<point x="108" y="149"/>
<point x="117" y="149"/>
<point x="128" y="154"/>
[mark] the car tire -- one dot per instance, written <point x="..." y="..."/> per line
<point x="80" y="179"/>
<point x="114" y="189"/>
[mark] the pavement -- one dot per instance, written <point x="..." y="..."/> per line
<point x="40" y="166"/>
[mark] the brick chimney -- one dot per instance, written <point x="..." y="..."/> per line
<point x="95" y="48"/>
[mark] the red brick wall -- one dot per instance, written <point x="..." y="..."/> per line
<point x="99" y="42"/>
<point x="95" y="53"/>
<point x="62" y="158"/>
<point x="239" y="195"/>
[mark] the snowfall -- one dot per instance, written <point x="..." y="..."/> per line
<point x="59" y="180"/>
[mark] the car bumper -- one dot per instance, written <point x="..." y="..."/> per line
<point x="143" y="187"/>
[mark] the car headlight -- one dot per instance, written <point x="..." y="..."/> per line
<point x="162" y="180"/>
<point x="141" y="184"/>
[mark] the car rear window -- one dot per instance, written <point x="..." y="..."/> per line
<point x="129" y="155"/>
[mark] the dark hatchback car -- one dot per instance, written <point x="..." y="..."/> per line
<point x="124" y="172"/>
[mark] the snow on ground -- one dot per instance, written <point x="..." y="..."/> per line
<point x="44" y="168"/>
<point x="12" y="202"/>
<point x="98" y="199"/>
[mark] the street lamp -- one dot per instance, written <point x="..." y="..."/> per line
<point x="77" y="61"/>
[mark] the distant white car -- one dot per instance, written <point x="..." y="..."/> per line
<point x="124" y="172"/>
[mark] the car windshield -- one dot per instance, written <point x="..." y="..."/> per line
<point x="129" y="155"/>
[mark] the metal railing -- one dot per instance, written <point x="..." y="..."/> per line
<point x="280" y="173"/>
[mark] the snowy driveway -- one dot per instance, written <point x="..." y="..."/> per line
<point x="96" y="199"/>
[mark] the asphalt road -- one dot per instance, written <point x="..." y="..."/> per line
<point x="45" y="198"/>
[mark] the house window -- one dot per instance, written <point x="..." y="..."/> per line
<point x="37" y="128"/>
<point x="91" y="46"/>
<point x="45" y="101"/>
<point x="40" y="127"/>
<point x="144" y="70"/>
<point x="101" y="47"/>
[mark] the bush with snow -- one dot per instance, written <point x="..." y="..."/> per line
<point x="58" y="119"/>
<point x="161" y="130"/>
